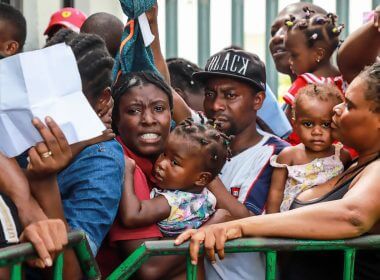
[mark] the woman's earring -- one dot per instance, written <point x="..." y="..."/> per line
<point x="317" y="60"/>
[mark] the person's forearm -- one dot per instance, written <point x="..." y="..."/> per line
<point x="47" y="194"/>
<point x="159" y="59"/>
<point x="14" y="184"/>
<point x="130" y="205"/>
<point x="359" y="49"/>
<point x="324" y="221"/>
<point x="226" y="201"/>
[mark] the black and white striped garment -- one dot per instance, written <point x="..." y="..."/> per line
<point x="10" y="227"/>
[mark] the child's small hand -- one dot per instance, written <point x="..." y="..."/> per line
<point x="130" y="165"/>
<point x="376" y="18"/>
<point x="105" y="113"/>
<point x="52" y="155"/>
<point x="107" y="135"/>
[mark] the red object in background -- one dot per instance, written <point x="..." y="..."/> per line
<point x="68" y="17"/>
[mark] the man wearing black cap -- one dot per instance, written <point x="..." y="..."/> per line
<point x="234" y="91"/>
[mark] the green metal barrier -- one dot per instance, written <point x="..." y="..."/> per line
<point x="268" y="245"/>
<point x="14" y="256"/>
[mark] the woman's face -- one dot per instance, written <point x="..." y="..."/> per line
<point x="354" y="124"/>
<point x="278" y="30"/>
<point x="144" y="120"/>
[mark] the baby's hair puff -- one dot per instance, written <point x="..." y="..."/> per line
<point x="322" y="92"/>
<point x="214" y="144"/>
<point x="317" y="28"/>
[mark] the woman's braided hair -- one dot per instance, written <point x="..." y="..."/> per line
<point x="127" y="81"/>
<point x="181" y="75"/>
<point x="214" y="144"/>
<point x="317" y="28"/>
<point x="94" y="62"/>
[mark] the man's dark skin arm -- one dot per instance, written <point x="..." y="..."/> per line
<point x="42" y="175"/>
<point x="14" y="184"/>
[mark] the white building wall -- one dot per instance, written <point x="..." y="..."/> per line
<point x="38" y="12"/>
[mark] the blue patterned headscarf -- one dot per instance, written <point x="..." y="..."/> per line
<point x="133" y="56"/>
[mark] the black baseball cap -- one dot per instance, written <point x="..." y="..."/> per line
<point x="236" y="64"/>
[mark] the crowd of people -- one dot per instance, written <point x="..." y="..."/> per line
<point x="191" y="153"/>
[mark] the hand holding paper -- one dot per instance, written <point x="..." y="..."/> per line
<point x="38" y="84"/>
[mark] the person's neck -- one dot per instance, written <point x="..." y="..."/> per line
<point x="365" y="156"/>
<point x="292" y="77"/>
<point x="193" y="189"/>
<point x="326" y="69"/>
<point x="246" y="139"/>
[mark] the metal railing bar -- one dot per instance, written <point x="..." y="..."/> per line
<point x="16" y="272"/>
<point x="16" y="254"/>
<point x="135" y="260"/>
<point x="271" y="264"/>
<point x="349" y="264"/>
<point x="191" y="270"/>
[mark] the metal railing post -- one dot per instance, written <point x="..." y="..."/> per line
<point x="349" y="264"/>
<point x="271" y="10"/>
<point x="237" y="22"/>
<point x="171" y="28"/>
<point x="343" y="12"/>
<point x="13" y="257"/>
<point x="203" y="31"/>
<point x="191" y="270"/>
<point x="375" y="3"/>
<point x="16" y="272"/>
<point x="271" y="262"/>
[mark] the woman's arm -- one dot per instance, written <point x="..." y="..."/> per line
<point x="159" y="59"/>
<point x="353" y="215"/>
<point x="135" y="213"/>
<point x="181" y="110"/>
<point x="359" y="49"/>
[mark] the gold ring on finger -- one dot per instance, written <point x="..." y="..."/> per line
<point x="46" y="154"/>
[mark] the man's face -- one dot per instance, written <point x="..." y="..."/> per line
<point x="231" y="103"/>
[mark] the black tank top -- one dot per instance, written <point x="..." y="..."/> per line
<point x="329" y="264"/>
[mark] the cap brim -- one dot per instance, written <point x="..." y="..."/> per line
<point x="204" y="76"/>
<point x="64" y="24"/>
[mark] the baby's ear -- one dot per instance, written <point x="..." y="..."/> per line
<point x="204" y="179"/>
<point x="12" y="47"/>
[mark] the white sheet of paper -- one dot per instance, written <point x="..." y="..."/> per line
<point x="146" y="33"/>
<point x="43" y="83"/>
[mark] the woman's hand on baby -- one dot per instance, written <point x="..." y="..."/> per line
<point x="50" y="156"/>
<point x="213" y="237"/>
<point x="48" y="238"/>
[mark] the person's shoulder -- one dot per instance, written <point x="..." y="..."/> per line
<point x="373" y="168"/>
<point x="276" y="142"/>
<point x="287" y="154"/>
<point x="110" y="148"/>
<point x="103" y="155"/>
